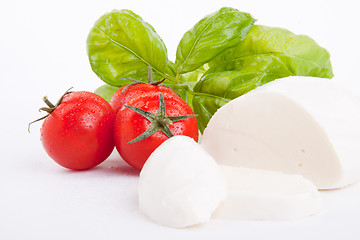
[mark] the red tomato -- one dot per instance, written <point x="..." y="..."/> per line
<point x="129" y="124"/>
<point x="78" y="134"/>
<point x="134" y="91"/>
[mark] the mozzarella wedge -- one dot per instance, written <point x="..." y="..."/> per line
<point x="180" y="184"/>
<point x="300" y="125"/>
<point x="266" y="195"/>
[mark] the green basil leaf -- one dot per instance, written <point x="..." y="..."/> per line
<point x="265" y="55"/>
<point x="121" y="45"/>
<point x="210" y="36"/>
<point x="300" y="54"/>
<point x="185" y="85"/>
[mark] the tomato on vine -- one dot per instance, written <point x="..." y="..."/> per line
<point x="148" y="114"/>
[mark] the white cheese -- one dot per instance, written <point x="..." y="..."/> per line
<point x="303" y="125"/>
<point x="180" y="184"/>
<point x="266" y="195"/>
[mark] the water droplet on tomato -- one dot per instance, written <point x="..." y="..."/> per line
<point x="146" y="105"/>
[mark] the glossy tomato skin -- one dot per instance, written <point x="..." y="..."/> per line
<point x="129" y="124"/>
<point x="133" y="92"/>
<point x="78" y="134"/>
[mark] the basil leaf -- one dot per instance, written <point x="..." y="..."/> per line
<point x="210" y="36"/>
<point x="186" y="83"/>
<point x="299" y="54"/>
<point x="265" y="55"/>
<point x="121" y="45"/>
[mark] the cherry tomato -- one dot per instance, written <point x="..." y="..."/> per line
<point x="78" y="133"/>
<point x="134" y="91"/>
<point x="146" y="120"/>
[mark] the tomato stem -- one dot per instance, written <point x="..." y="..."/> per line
<point x="177" y="78"/>
<point x="150" y="75"/>
<point x="150" y="80"/>
<point x="46" y="100"/>
<point x="51" y="107"/>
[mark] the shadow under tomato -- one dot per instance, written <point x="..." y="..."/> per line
<point x="117" y="166"/>
<point x="113" y="165"/>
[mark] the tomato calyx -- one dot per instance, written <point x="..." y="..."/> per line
<point x="50" y="107"/>
<point x="159" y="121"/>
<point x="150" y="80"/>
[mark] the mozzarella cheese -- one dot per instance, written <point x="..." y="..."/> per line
<point x="180" y="184"/>
<point x="302" y="125"/>
<point x="266" y="195"/>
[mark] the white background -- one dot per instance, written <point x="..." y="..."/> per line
<point x="43" y="52"/>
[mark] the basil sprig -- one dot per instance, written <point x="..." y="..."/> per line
<point x="222" y="57"/>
